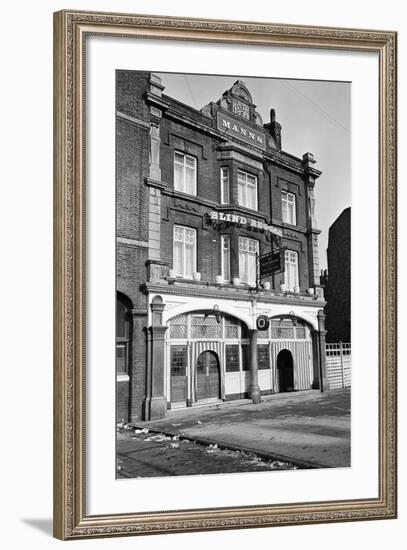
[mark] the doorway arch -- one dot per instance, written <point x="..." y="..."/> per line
<point x="207" y="377"/>
<point x="285" y="369"/>
<point x="123" y="333"/>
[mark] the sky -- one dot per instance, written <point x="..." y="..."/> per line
<point x="315" y="118"/>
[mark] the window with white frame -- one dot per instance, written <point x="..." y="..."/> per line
<point x="184" y="251"/>
<point x="184" y="173"/>
<point x="248" y="251"/>
<point x="247" y="190"/>
<point x="224" y="185"/>
<point x="225" y="244"/>
<point x="288" y="207"/>
<point x="291" y="279"/>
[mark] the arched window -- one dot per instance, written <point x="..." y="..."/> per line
<point x="123" y="332"/>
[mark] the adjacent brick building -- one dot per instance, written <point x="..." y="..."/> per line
<point x="201" y="195"/>
<point x="338" y="282"/>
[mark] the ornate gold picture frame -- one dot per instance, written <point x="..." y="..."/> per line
<point x="72" y="519"/>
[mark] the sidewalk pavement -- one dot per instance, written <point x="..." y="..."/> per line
<point x="309" y="428"/>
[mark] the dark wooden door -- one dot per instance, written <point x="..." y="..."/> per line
<point x="285" y="371"/>
<point x="207" y="376"/>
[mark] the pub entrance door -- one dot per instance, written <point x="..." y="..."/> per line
<point x="207" y="376"/>
<point x="285" y="371"/>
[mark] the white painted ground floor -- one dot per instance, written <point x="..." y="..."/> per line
<point x="207" y="360"/>
<point x="206" y="348"/>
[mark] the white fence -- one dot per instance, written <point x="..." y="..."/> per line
<point x="338" y="365"/>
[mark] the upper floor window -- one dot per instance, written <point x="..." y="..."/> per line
<point x="184" y="251"/>
<point x="184" y="173"/>
<point x="224" y="185"/>
<point x="288" y="207"/>
<point x="248" y="251"/>
<point x="247" y="190"/>
<point x="291" y="278"/>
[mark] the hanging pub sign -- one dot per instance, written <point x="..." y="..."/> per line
<point x="271" y="263"/>
<point x="262" y="322"/>
<point x="237" y="219"/>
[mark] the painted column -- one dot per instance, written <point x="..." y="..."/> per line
<point x="156" y="402"/>
<point x="147" y="398"/>
<point x="254" y="388"/>
<point x="315" y="360"/>
<point x="319" y="355"/>
<point x="322" y="351"/>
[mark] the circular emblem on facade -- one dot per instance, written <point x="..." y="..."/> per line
<point x="262" y="322"/>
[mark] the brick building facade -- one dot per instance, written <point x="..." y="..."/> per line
<point x="338" y="280"/>
<point x="200" y="196"/>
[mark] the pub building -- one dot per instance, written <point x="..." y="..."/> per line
<point x="218" y="290"/>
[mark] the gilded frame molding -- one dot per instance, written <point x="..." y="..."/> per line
<point x="70" y="519"/>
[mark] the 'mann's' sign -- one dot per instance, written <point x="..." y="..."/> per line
<point x="234" y="128"/>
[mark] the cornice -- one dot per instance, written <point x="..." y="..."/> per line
<point x="133" y="120"/>
<point x="230" y="293"/>
<point x="241" y="148"/>
<point x="277" y="159"/>
<point x="173" y="114"/>
<point x="197" y="199"/>
<point x="155" y="183"/>
<point x="313" y="231"/>
<point x="312" y="172"/>
<point x="288" y="227"/>
<point x="157" y="101"/>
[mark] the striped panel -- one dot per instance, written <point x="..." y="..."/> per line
<point x="196" y="349"/>
<point x="302" y="366"/>
<point x="301" y="352"/>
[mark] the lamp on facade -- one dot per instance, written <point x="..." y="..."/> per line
<point x="291" y="315"/>
<point x="214" y="311"/>
<point x="293" y="318"/>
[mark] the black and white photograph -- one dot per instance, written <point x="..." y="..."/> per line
<point x="233" y="274"/>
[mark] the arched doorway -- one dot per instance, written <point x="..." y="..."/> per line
<point x="123" y="333"/>
<point x="207" y="376"/>
<point x="123" y="355"/>
<point x="285" y="371"/>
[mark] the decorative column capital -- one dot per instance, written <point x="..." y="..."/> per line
<point x="311" y="173"/>
<point x="157" y="307"/>
<point x="157" y="332"/>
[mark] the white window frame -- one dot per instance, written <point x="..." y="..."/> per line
<point x="244" y="186"/>
<point x="288" y="207"/>
<point x="182" y="186"/>
<point x="184" y="231"/>
<point x="248" y="253"/>
<point x="225" y="254"/>
<point x="291" y="273"/>
<point x="224" y="185"/>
